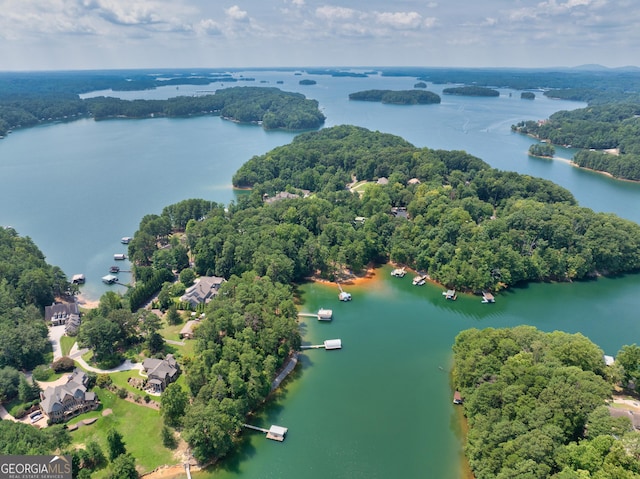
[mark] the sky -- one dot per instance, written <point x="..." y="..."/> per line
<point x="114" y="34"/>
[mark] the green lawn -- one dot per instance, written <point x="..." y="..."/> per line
<point x="140" y="427"/>
<point x="360" y="186"/>
<point x="171" y="332"/>
<point x="66" y="343"/>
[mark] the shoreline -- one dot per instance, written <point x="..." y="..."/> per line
<point x="86" y="303"/>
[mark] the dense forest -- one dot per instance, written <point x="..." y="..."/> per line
<point x="613" y="126"/>
<point x="543" y="150"/>
<point x="271" y="107"/>
<point x="593" y="85"/>
<point x="403" y="97"/>
<point x="535" y="405"/>
<point x="27" y="285"/>
<point x="470" y="226"/>
<point x="471" y="91"/>
<point x="250" y="330"/>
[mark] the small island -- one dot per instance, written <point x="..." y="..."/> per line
<point x="471" y="91"/>
<point x="401" y="97"/>
<point x="307" y="82"/>
<point x="542" y="150"/>
<point x="528" y="95"/>
<point x="420" y="84"/>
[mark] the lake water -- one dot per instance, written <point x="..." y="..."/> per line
<point x="381" y="406"/>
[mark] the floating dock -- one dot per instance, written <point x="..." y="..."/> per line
<point x="126" y="239"/>
<point x="275" y="433"/>
<point x="398" y="272"/>
<point x="328" y="344"/>
<point x="119" y="257"/>
<point x="78" y="279"/>
<point x="321" y="315"/>
<point x="450" y="294"/>
<point x="488" y="297"/>
<point x="343" y="296"/>
<point x="109" y="279"/>
<point x="420" y="280"/>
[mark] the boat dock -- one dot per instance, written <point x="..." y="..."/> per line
<point x="488" y="297"/>
<point x="276" y="433"/>
<point x="109" y="279"/>
<point x="78" y="279"/>
<point x="343" y="296"/>
<point x="398" y="272"/>
<point x="328" y="344"/>
<point x="420" y="280"/>
<point x="321" y="315"/>
<point x="450" y="294"/>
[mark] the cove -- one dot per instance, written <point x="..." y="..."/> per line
<point x="381" y="406"/>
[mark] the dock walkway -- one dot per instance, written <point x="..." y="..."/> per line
<point x="256" y="428"/>
<point x="290" y="366"/>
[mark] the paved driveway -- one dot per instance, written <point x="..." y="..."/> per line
<point x="55" y="333"/>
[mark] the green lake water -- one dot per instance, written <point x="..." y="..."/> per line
<point x="381" y="406"/>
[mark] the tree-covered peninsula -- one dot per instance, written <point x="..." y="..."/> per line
<point x="471" y="91"/>
<point x="270" y="107"/>
<point x="608" y="136"/>
<point x="469" y="226"/>
<point x="402" y="97"/>
<point x="535" y="406"/>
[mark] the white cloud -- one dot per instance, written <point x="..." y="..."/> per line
<point x="236" y="14"/>
<point x="208" y="27"/>
<point x="400" y="20"/>
<point x="335" y="13"/>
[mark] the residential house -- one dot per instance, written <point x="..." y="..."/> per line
<point x="188" y="329"/>
<point x="61" y="403"/>
<point x="282" y="195"/>
<point x="160" y="372"/>
<point x="203" y="291"/>
<point x="63" y="313"/>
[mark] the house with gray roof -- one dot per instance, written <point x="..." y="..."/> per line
<point x="62" y="313"/>
<point x="63" y="402"/>
<point x="203" y="291"/>
<point x="160" y="372"/>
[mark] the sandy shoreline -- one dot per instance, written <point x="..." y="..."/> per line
<point x="86" y="303"/>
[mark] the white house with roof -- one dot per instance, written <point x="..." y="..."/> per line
<point x="203" y="291"/>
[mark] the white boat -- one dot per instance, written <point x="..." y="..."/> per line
<point x="126" y="239"/>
